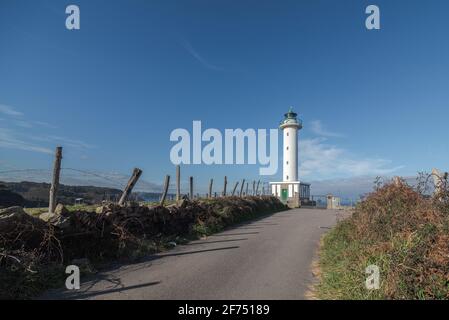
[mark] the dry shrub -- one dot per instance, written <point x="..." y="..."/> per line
<point x="407" y="232"/>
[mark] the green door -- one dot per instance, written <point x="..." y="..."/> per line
<point x="284" y="195"/>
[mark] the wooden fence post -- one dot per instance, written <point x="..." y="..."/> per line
<point x="241" y="187"/>
<point x="191" y="188"/>
<point x="224" y="187"/>
<point x="55" y="181"/>
<point x="439" y="181"/>
<point x="130" y="185"/>
<point x="164" y="194"/>
<point x="210" y="187"/>
<point x="257" y="188"/>
<point x="235" y="188"/>
<point x="246" y="193"/>
<point x="178" y="183"/>
<point x="397" y="181"/>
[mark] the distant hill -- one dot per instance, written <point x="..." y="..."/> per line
<point x="34" y="194"/>
<point x="9" y="198"/>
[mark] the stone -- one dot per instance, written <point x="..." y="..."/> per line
<point x="12" y="217"/>
<point x="61" y="222"/>
<point x="17" y="211"/>
<point x="184" y="203"/>
<point x="58" y="220"/>
<point x="61" y="210"/>
<point x="47" y="216"/>
<point x="101" y="209"/>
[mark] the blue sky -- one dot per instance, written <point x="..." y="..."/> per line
<point x="372" y="102"/>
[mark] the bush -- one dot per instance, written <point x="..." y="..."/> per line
<point x="403" y="232"/>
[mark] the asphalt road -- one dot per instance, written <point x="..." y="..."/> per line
<point x="268" y="258"/>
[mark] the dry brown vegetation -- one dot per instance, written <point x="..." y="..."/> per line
<point x="403" y="231"/>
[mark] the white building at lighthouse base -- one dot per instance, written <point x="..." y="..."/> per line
<point x="291" y="193"/>
<point x="290" y="189"/>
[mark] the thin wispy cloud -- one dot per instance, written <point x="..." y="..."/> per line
<point x="320" y="160"/>
<point x="198" y="57"/>
<point x="17" y="118"/>
<point x="318" y="128"/>
<point x="45" y="124"/>
<point x="19" y="133"/>
<point x="10" y="111"/>
<point x="9" y="139"/>
<point x="63" y="140"/>
<point x="23" y="124"/>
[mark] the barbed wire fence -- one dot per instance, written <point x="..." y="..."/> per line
<point x="169" y="192"/>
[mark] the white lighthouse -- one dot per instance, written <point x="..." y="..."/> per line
<point x="290" y="188"/>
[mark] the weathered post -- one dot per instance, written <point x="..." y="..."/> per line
<point x="224" y="187"/>
<point x="210" y="187"/>
<point x="130" y="185"/>
<point x="241" y="187"/>
<point x="235" y="188"/>
<point x="439" y="181"/>
<point x="178" y="183"/>
<point x="397" y="181"/>
<point x="246" y="193"/>
<point x="55" y="181"/>
<point x="191" y="188"/>
<point x="254" y="187"/>
<point x="257" y="188"/>
<point x="164" y="194"/>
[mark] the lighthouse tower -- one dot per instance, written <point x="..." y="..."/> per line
<point x="290" y="126"/>
<point x="290" y="188"/>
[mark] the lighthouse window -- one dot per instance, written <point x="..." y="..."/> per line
<point x="287" y="148"/>
<point x="286" y="178"/>
<point x="288" y="134"/>
<point x="287" y="162"/>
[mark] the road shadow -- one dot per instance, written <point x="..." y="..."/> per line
<point x="183" y="253"/>
<point x="216" y="241"/>
<point x="90" y="294"/>
<point x="233" y="234"/>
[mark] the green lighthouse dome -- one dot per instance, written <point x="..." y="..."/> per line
<point x="291" y="120"/>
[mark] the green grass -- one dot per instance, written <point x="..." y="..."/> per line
<point x="82" y="207"/>
<point x="35" y="211"/>
<point x="342" y="266"/>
